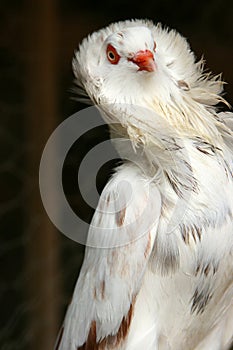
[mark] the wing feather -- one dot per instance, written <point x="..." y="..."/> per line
<point x="119" y="244"/>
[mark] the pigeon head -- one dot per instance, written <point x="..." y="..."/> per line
<point x="142" y="64"/>
<point x="130" y="61"/>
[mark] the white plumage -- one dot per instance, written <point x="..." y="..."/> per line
<point x="163" y="278"/>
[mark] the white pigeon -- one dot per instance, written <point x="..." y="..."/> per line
<point x="158" y="267"/>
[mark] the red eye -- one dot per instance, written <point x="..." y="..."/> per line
<point x="112" y="54"/>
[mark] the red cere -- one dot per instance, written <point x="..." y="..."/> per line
<point x="112" y="54"/>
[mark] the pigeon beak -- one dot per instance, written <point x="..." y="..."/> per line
<point x="144" y="60"/>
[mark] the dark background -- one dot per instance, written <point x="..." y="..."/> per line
<point x="39" y="265"/>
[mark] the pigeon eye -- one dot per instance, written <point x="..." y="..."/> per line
<point x="112" y="54"/>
